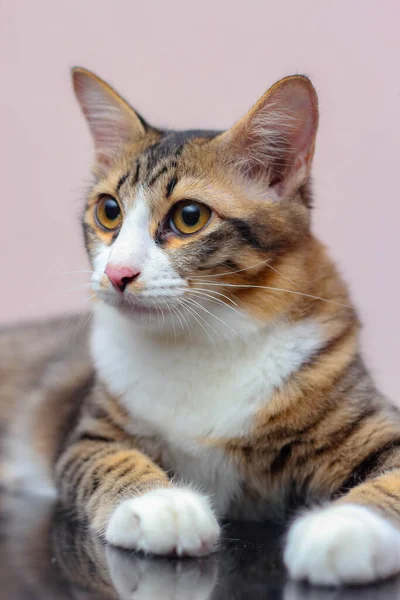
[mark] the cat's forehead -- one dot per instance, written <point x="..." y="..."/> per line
<point x="170" y="146"/>
<point x="162" y="156"/>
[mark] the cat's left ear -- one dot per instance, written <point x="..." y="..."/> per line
<point x="273" y="144"/>
<point x="112" y="121"/>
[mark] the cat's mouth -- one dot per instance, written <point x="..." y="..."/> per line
<point x="151" y="304"/>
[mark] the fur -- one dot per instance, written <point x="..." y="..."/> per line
<point x="221" y="374"/>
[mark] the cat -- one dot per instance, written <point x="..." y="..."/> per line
<point x="219" y="375"/>
<point x="47" y="555"/>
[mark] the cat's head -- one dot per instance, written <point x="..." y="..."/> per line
<point x="191" y="229"/>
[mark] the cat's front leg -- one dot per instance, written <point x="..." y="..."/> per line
<point x="128" y="499"/>
<point x="343" y="544"/>
<point x="354" y="540"/>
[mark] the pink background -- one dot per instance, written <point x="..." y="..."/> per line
<point x="201" y="64"/>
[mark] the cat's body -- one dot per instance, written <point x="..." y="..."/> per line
<point x="45" y="372"/>
<point x="225" y="371"/>
<point x="184" y="413"/>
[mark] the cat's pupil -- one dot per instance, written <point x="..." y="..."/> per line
<point x="190" y="215"/>
<point x="111" y="209"/>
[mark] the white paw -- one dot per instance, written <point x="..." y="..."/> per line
<point x="165" y="521"/>
<point x="344" y="544"/>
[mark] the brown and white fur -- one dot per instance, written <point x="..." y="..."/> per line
<point x="224" y="376"/>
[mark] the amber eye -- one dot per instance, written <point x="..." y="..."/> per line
<point x="189" y="217"/>
<point x="108" y="213"/>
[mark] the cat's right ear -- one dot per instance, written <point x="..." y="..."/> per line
<point x="112" y="122"/>
<point x="273" y="144"/>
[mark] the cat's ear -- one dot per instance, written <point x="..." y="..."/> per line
<point x="112" y="122"/>
<point x="274" y="143"/>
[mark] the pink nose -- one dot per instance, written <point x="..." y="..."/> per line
<point x="121" y="276"/>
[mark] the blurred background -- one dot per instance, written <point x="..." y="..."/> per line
<point x="201" y="64"/>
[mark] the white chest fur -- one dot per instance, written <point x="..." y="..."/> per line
<point x="183" y="390"/>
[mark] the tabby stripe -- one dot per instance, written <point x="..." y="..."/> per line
<point x="321" y="418"/>
<point x="179" y="151"/>
<point x="343" y="435"/>
<point x="88" y="235"/>
<point x="205" y="248"/>
<point x="153" y="156"/>
<point x="74" y="462"/>
<point x="305" y="434"/>
<point x="157" y="175"/>
<point x="88" y="228"/>
<point x="338" y="439"/>
<point x="91" y="489"/>
<point x="282" y="431"/>
<point x="115" y="483"/>
<point x="372" y="496"/>
<point x="118" y="480"/>
<point x="98" y="413"/>
<point x="105" y="469"/>
<point x="170" y="186"/>
<point x="245" y="232"/>
<point x="298" y="494"/>
<point x="122" y="181"/>
<point x="393" y="509"/>
<point x="73" y="480"/>
<point x="92" y="437"/>
<point x="387" y="493"/>
<point x="226" y="264"/>
<point x="95" y="473"/>
<point x="371" y="463"/>
<point x="284" y="455"/>
<point x="248" y="235"/>
<point x="101" y="469"/>
<point x="230" y="264"/>
<point x="330" y="346"/>
<point x="335" y="403"/>
<point x="135" y="177"/>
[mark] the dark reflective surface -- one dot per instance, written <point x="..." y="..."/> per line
<point x="43" y="556"/>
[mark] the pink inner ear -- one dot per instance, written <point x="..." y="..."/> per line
<point x="111" y="120"/>
<point x="298" y="100"/>
<point x="273" y="144"/>
<point x="291" y="117"/>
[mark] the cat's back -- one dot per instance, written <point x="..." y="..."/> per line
<point x="45" y="374"/>
<point x="40" y="355"/>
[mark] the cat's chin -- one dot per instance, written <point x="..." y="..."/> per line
<point x="146" y="315"/>
<point x="154" y="319"/>
<point x="142" y="312"/>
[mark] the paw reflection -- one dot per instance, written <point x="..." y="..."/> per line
<point x="380" y="591"/>
<point x="142" y="578"/>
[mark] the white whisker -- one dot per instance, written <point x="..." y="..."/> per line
<point x="215" y="317"/>
<point x="274" y="289"/>
<point x="232" y="272"/>
<point x="91" y="297"/>
<point x="196" y="316"/>
<point x="178" y="316"/>
<point x="214" y="292"/>
<point x="185" y="320"/>
<point x="158" y="313"/>
<point x="172" y="317"/>
<point x="209" y="298"/>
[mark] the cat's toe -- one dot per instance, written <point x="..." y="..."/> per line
<point x="164" y="522"/>
<point x="343" y="544"/>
